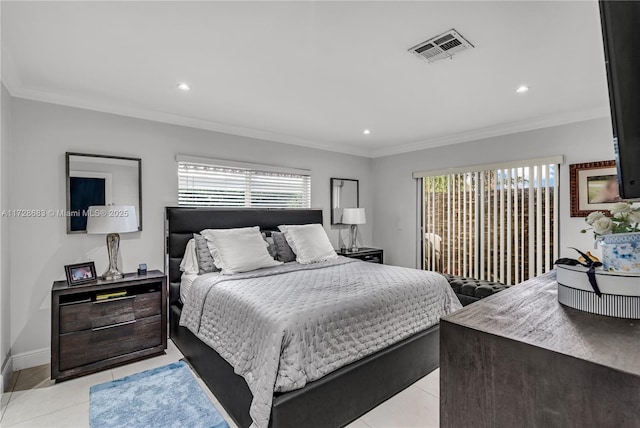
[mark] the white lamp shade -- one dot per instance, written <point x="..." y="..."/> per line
<point x="112" y="219"/>
<point x="353" y="216"/>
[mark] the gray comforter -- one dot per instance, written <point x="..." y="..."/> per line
<point x="283" y="327"/>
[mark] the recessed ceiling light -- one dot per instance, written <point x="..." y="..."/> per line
<point x="522" y="89"/>
<point x="366" y="132"/>
<point x="183" y="86"/>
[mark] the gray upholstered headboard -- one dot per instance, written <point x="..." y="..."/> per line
<point x="182" y="222"/>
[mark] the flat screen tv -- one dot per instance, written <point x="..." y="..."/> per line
<point x="621" y="33"/>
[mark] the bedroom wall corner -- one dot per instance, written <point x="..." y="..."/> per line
<point x="585" y="141"/>
<point x="43" y="132"/>
<point x="5" y="287"/>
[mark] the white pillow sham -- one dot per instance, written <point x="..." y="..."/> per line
<point x="189" y="263"/>
<point x="212" y="247"/>
<point x="238" y="250"/>
<point x="310" y="243"/>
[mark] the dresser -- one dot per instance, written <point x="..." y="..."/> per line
<point x="372" y="255"/>
<point x="520" y="359"/>
<point x="90" y="332"/>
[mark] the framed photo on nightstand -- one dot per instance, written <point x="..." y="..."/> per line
<point x="80" y="273"/>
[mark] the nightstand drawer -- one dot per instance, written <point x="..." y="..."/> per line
<point x="88" y="315"/>
<point x="99" y="343"/>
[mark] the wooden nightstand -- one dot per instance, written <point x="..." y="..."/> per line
<point x="371" y="255"/>
<point x="89" y="335"/>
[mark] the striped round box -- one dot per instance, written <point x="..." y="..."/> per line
<point x="620" y="293"/>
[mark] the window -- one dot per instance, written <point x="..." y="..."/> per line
<point x="494" y="223"/>
<point x="208" y="185"/>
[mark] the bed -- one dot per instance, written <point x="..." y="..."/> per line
<point x="332" y="400"/>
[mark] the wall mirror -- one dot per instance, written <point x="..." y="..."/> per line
<point x="101" y="180"/>
<point x="345" y="193"/>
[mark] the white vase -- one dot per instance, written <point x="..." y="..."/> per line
<point x="621" y="252"/>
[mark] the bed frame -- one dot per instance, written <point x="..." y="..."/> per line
<point x="332" y="401"/>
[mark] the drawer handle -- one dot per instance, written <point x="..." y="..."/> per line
<point x="120" y="324"/>
<point x="115" y="299"/>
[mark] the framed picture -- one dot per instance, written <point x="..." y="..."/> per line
<point x="80" y="273"/>
<point x="594" y="187"/>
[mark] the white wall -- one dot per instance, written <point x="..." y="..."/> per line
<point x="42" y="133"/>
<point x="5" y="313"/>
<point x="396" y="201"/>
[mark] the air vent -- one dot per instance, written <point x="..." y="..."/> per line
<point x="443" y="46"/>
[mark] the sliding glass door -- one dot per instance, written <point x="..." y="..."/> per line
<point x="493" y="222"/>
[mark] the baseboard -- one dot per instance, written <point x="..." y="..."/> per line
<point x="31" y="359"/>
<point x="5" y="375"/>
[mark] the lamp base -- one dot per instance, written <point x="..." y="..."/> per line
<point x="354" y="238"/>
<point x="113" y="246"/>
<point x="112" y="274"/>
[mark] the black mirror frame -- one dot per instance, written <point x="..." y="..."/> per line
<point x="68" y="185"/>
<point x="333" y="222"/>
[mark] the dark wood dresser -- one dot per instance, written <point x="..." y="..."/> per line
<point x="371" y="255"/>
<point x="89" y="334"/>
<point x="520" y="359"/>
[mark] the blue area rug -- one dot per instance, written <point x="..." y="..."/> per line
<point x="167" y="396"/>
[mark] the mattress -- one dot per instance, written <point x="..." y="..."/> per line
<point x="283" y="327"/>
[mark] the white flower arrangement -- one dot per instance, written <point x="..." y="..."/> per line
<point x="625" y="218"/>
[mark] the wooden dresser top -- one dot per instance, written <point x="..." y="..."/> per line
<point x="530" y="312"/>
<point x="128" y="279"/>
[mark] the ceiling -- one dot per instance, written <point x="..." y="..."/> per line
<point x="314" y="73"/>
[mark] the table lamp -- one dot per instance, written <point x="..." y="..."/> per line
<point x="112" y="220"/>
<point x="354" y="217"/>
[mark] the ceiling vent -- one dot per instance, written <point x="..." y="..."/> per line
<point x="443" y="46"/>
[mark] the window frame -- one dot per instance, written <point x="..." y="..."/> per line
<point x="252" y="170"/>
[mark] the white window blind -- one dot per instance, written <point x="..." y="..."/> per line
<point x="202" y="184"/>
<point x="497" y="223"/>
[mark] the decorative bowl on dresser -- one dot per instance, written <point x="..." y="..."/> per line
<point x="372" y="255"/>
<point x="107" y="323"/>
<point x="619" y="292"/>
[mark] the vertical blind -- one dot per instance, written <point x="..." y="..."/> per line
<point x="207" y="185"/>
<point x="496" y="224"/>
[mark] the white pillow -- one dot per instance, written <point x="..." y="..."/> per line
<point x="283" y="228"/>
<point x="212" y="247"/>
<point x="310" y="243"/>
<point x="238" y="250"/>
<point x="189" y="263"/>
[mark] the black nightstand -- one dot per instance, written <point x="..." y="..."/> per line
<point x="371" y="255"/>
<point x="89" y="334"/>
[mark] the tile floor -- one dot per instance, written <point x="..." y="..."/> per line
<point x="34" y="401"/>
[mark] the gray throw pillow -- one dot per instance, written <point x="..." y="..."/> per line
<point x="203" y="255"/>
<point x="284" y="253"/>
<point x="271" y="245"/>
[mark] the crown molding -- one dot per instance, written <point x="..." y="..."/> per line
<point x="19" y="91"/>
<point x="14" y="85"/>
<point x="8" y="71"/>
<point x="494" y="131"/>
